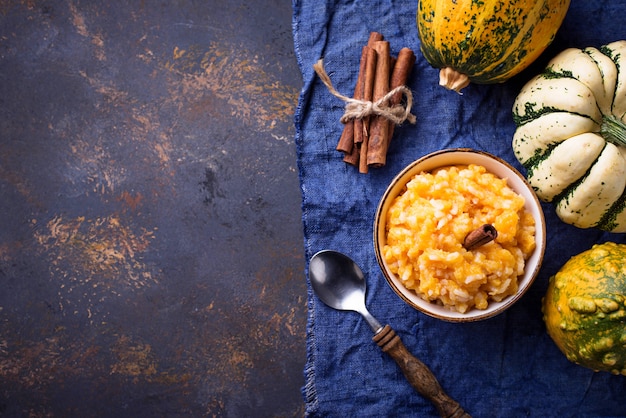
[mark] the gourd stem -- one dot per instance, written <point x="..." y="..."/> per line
<point x="452" y="79"/>
<point x="613" y="130"/>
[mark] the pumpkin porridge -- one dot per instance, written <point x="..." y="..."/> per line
<point x="426" y="226"/>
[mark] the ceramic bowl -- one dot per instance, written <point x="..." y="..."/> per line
<point x="496" y="166"/>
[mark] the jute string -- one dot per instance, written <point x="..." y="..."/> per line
<point x="359" y="109"/>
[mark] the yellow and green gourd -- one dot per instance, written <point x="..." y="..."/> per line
<point x="584" y="308"/>
<point x="571" y="135"/>
<point x="486" y="41"/>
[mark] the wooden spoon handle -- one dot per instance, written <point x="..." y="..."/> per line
<point x="418" y="374"/>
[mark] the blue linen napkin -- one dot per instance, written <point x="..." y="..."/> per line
<point x="506" y="366"/>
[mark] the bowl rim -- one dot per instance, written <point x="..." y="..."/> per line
<point x="516" y="181"/>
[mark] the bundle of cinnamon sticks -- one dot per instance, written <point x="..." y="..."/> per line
<point x="365" y="141"/>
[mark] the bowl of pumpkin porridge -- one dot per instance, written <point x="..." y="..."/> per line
<point x="459" y="235"/>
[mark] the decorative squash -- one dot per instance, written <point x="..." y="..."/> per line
<point x="571" y="135"/>
<point x="585" y="308"/>
<point x="486" y="41"/>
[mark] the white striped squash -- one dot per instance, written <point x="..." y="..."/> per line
<point x="571" y="135"/>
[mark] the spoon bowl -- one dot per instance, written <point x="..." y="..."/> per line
<point x="340" y="283"/>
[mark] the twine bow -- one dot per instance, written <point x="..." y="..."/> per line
<point x="359" y="109"/>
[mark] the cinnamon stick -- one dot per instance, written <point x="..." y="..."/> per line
<point x="346" y="140"/>
<point x="399" y="77"/>
<point x="363" y="167"/>
<point x="379" y="126"/>
<point x="401" y="72"/>
<point x="361" y="126"/>
<point x="374" y="37"/>
<point x="480" y="237"/>
<point x="353" y="157"/>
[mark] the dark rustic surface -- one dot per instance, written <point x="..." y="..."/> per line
<point x="151" y="258"/>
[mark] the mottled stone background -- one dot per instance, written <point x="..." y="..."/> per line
<point x="151" y="257"/>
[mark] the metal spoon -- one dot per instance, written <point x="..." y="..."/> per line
<point x="339" y="282"/>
